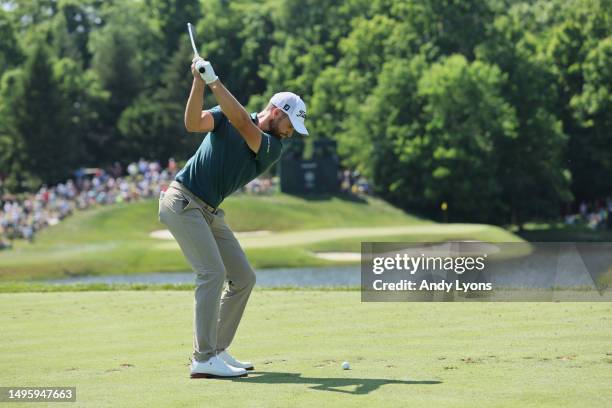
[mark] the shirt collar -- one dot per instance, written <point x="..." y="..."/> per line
<point x="255" y="120"/>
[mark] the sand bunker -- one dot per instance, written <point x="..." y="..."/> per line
<point x="339" y="256"/>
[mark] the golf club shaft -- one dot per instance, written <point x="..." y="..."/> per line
<point x="191" y="37"/>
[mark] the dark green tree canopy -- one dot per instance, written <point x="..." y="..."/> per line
<point x="500" y="108"/>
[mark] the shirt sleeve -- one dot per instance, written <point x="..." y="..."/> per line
<point x="218" y="116"/>
<point x="269" y="151"/>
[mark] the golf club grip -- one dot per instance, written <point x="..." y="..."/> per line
<point x="200" y="66"/>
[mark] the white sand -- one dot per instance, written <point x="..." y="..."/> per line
<point x="339" y="256"/>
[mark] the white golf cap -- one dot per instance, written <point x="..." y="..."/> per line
<point x="294" y="107"/>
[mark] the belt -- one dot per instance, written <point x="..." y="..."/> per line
<point x="181" y="187"/>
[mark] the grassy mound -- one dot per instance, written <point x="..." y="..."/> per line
<point x="115" y="240"/>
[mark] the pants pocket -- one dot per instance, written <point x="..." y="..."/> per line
<point x="173" y="200"/>
<point x="192" y="209"/>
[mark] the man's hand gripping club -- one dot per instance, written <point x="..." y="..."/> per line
<point x="203" y="69"/>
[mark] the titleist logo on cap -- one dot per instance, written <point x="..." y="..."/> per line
<point x="294" y="107"/>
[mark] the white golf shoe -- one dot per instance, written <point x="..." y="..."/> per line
<point x="225" y="356"/>
<point x="214" y="367"/>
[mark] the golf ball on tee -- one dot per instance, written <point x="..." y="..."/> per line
<point x="346" y="365"/>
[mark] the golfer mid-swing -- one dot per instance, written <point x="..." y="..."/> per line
<point x="238" y="147"/>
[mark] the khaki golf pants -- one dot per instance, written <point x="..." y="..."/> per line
<point x="215" y="255"/>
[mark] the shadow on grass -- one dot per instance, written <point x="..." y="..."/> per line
<point x="363" y="385"/>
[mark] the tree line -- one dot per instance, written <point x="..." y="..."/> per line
<point x="500" y="108"/>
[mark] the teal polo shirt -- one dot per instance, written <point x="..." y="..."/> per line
<point x="224" y="162"/>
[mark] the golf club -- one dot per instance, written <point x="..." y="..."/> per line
<point x="200" y="63"/>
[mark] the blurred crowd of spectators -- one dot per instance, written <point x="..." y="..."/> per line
<point x="597" y="215"/>
<point x="21" y="217"/>
<point x="261" y="186"/>
<point x="353" y="182"/>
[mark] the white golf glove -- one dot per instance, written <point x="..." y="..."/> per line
<point x="206" y="71"/>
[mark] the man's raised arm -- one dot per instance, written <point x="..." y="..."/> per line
<point x="232" y="109"/>
<point x="197" y="120"/>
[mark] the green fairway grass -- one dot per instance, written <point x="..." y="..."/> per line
<point x="131" y="349"/>
<point x="560" y="232"/>
<point x="115" y="240"/>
